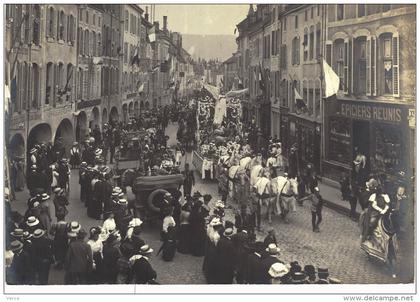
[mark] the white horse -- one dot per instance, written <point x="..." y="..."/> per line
<point x="285" y="191"/>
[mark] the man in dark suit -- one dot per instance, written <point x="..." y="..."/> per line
<point x="20" y="271"/>
<point x="142" y="270"/>
<point x="268" y="259"/>
<point x="226" y="260"/>
<point x="79" y="261"/>
<point x="41" y="256"/>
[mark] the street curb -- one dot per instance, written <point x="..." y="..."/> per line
<point x="339" y="208"/>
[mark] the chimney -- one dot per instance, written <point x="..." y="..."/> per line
<point x="165" y="23"/>
<point x="156" y="24"/>
<point x="146" y="15"/>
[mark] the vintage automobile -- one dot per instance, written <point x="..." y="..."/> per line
<point x="130" y="145"/>
<point x="149" y="192"/>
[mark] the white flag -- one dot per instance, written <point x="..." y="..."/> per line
<point x="297" y="95"/>
<point x="332" y="81"/>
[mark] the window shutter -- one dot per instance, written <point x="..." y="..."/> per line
<point x="54" y="84"/>
<point x="57" y="33"/>
<point x="396" y="65"/>
<point x="346" y="66"/>
<point x="373" y="71"/>
<point x="368" y="64"/>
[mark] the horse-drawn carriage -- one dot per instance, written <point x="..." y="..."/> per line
<point x="149" y="192"/>
<point x="130" y="145"/>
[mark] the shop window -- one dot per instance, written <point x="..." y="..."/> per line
<point x="388" y="157"/>
<point x="339" y="140"/>
<point x="340" y="12"/>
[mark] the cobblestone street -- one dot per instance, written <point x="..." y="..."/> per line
<point x="335" y="247"/>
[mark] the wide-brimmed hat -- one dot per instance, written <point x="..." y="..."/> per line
<point x="38" y="233"/>
<point x="17" y="233"/>
<point x="117" y="190"/>
<point x="219" y="204"/>
<point x="216" y="221"/>
<point x="228" y="232"/>
<point x="75" y="226"/>
<point x="83" y="164"/>
<point x="98" y="152"/>
<point x="334" y="281"/>
<point x="26" y="235"/>
<point x="145" y="250"/>
<point x="57" y="190"/>
<point x="33" y="150"/>
<point x="32" y="221"/>
<point x="323" y="273"/>
<point x="298" y="277"/>
<point x="45" y="196"/>
<point x="16" y="246"/>
<point x="272" y="249"/>
<point x="115" y="194"/>
<point x="135" y="222"/>
<point x="122" y="201"/>
<point x="278" y="270"/>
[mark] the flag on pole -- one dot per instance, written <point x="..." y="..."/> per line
<point x="141" y="88"/>
<point x="332" y="81"/>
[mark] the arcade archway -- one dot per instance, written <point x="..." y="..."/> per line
<point x="95" y="118"/>
<point x="39" y="134"/>
<point x="104" y="116"/>
<point x="113" y="115"/>
<point x="81" y="126"/>
<point x="16" y="146"/>
<point x="64" y="136"/>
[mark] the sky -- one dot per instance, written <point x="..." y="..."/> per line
<point x="201" y="19"/>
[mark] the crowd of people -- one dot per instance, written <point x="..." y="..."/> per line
<point x="253" y="174"/>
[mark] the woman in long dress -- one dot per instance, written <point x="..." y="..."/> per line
<point x="185" y="229"/>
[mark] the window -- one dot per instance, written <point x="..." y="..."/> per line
<point x="80" y="40"/>
<point x="339" y="54"/>
<point x="283" y="56"/>
<point x="305" y="45"/>
<point x="387" y="70"/>
<point x="61" y="26"/>
<point x="126" y="21"/>
<point x="99" y="21"/>
<point x="99" y="48"/>
<point x="361" y="10"/>
<point x="311" y="44"/>
<point x="312" y="12"/>
<point x="93" y="44"/>
<point x="284" y="93"/>
<point x="318" y="43"/>
<point x="318" y="10"/>
<point x="340" y="12"/>
<point x="273" y="44"/>
<point x="68" y="86"/>
<point x="49" y="87"/>
<point x="296" y="21"/>
<point x="36" y="24"/>
<point x="60" y="80"/>
<point x="360" y="62"/>
<point x="35" y="86"/>
<point x="27" y="24"/>
<point x="86" y="43"/>
<point x="386" y="7"/>
<point x="50" y="23"/>
<point x="306" y="15"/>
<point x="81" y="80"/>
<point x="94" y="19"/>
<point x="285" y="23"/>
<point x="339" y="140"/>
<point x="87" y="17"/>
<point x="125" y="52"/>
<point x="296" y="51"/>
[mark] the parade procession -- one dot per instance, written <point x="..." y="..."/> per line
<point x="138" y="151"/>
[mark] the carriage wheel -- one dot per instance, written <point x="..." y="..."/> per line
<point x="152" y="197"/>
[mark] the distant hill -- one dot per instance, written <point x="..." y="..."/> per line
<point x="209" y="46"/>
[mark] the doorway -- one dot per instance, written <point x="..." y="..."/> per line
<point x="361" y="139"/>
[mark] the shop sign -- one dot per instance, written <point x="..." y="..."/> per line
<point x="370" y="112"/>
<point x="412" y="118"/>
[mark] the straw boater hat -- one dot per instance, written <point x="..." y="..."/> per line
<point x="45" y="196"/>
<point x="98" y="152"/>
<point x="38" y="233"/>
<point x="26" y="235"/>
<point x="145" y="250"/>
<point x="228" y="232"/>
<point x="272" y="249"/>
<point x="33" y="150"/>
<point x="16" y="246"/>
<point x="278" y="270"/>
<point x="17" y="233"/>
<point x="298" y="278"/>
<point x="32" y="221"/>
<point x="74" y="229"/>
<point x="122" y="201"/>
<point x="215" y="222"/>
<point x="117" y="189"/>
